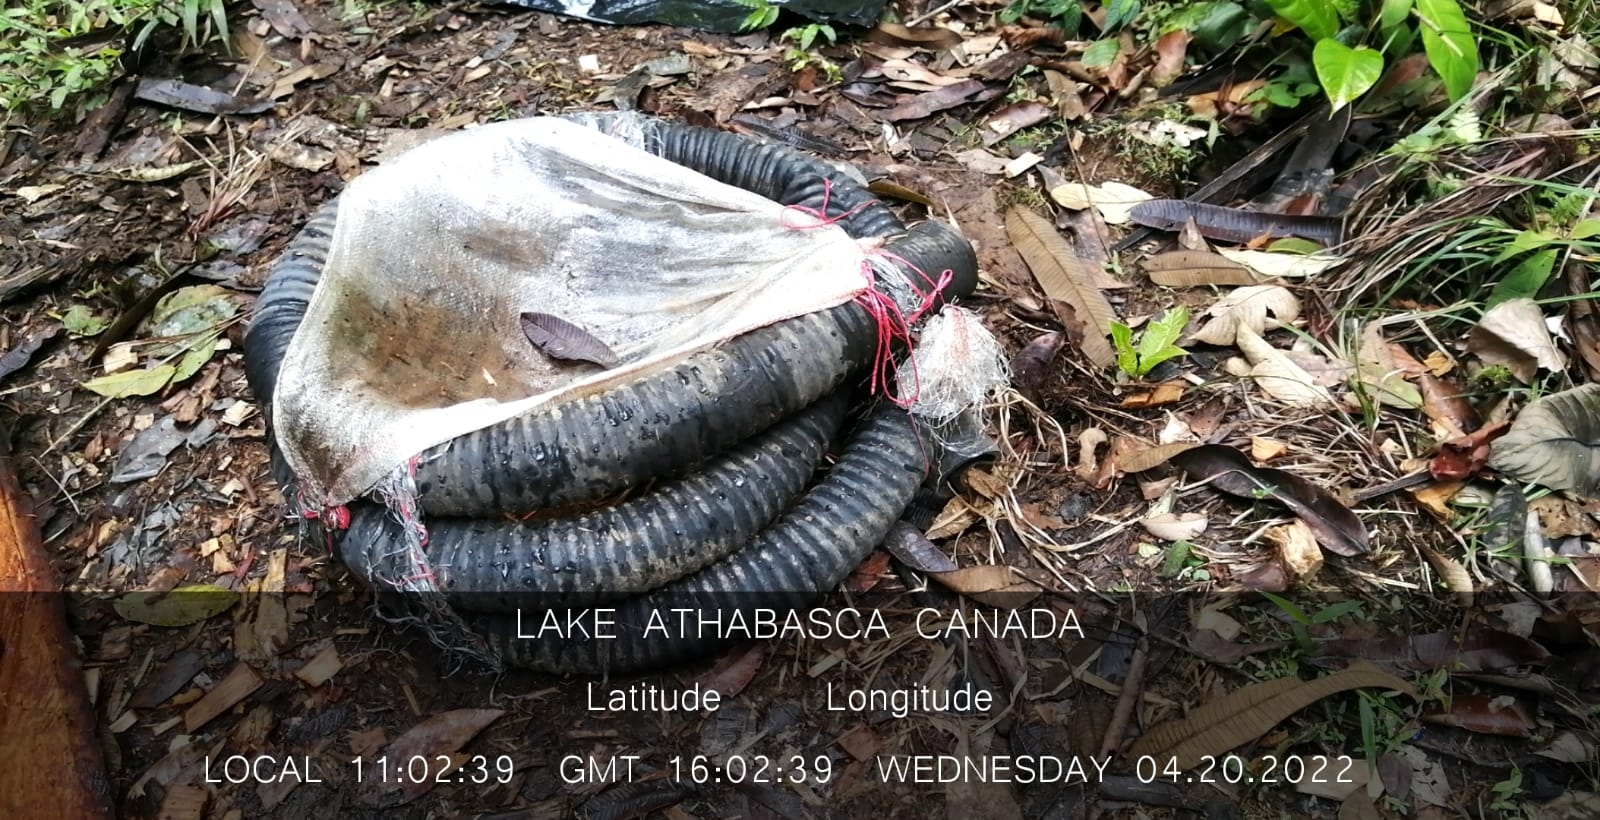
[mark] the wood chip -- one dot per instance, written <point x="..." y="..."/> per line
<point x="321" y="668"/>
<point x="183" y="803"/>
<point x="240" y="683"/>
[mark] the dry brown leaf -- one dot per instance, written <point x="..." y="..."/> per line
<point x="1250" y="712"/>
<point x="1176" y="526"/>
<point x="954" y="519"/>
<point x="1065" y="278"/>
<point x="1455" y="576"/>
<point x="1435" y="497"/>
<point x="1113" y="199"/>
<point x="735" y="670"/>
<point x="1561" y="517"/>
<point x="1274" y="265"/>
<point x="1194" y="269"/>
<point x="1485" y="714"/>
<point x="1447" y="408"/>
<point x="1227" y="470"/>
<point x="1171" y="48"/>
<point x="1247" y="307"/>
<point x="441" y="735"/>
<point x="1438" y="363"/>
<point x="1352" y="783"/>
<point x="995" y="584"/>
<point x="1152" y="457"/>
<point x="1277" y="374"/>
<point x="1377" y="369"/>
<point x="1229" y="99"/>
<point x="1266" y="449"/>
<point x="1064" y="91"/>
<point x="985" y="483"/>
<point x="1297" y="550"/>
<point x="1164" y="393"/>
<point x="1513" y="333"/>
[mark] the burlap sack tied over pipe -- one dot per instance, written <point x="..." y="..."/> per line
<point x="413" y="336"/>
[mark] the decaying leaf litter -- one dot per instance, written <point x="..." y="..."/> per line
<point x="1336" y="425"/>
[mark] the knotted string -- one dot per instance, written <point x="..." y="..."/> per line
<point x="891" y="321"/>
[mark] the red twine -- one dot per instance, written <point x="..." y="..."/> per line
<point x="891" y="322"/>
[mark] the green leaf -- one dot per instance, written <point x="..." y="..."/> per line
<point x="132" y="382"/>
<point x="187" y="313"/>
<point x="180" y="607"/>
<point x="1346" y="73"/>
<point x="1158" y="343"/>
<point x="1525" y="280"/>
<point x="1393" y="14"/>
<point x="1523" y="242"/>
<point x="1585" y="229"/>
<point x="1101" y="53"/>
<point x="79" y="321"/>
<point x="1217" y="26"/>
<point x="1334" y="612"/>
<point x="1448" y="41"/>
<point x="1122" y="340"/>
<point x="1319" y="19"/>
<point x="1120" y="13"/>
<point x="191" y="21"/>
<point x="219" y="23"/>
<point x="195" y="358"/>
<point x="1177" y="557"/>
<point x="1294" y="244"/>
<point x="1299" y="615"/>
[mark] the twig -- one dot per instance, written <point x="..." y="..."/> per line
<point x="926" y="16"/>
<point x="1131" y="686"/>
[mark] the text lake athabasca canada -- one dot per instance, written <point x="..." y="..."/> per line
<point x="816" y="624"/>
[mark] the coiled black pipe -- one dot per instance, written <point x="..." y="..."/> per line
<point x="489" y="564"/>
<point x="808" y="552"/>
<point x="663" y="424"/>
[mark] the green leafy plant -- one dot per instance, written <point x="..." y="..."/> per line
<point x="1506" y="793"/>
<point x="806" y="36"/>
<point x="1066" y="14"/>
<point x="1300" y="622"/>
<point x="802" y="56"/>
<point x="762" y="14"/>
<point x="1180" y="562"/>
<point x="1346" y="69"/>
<point x="44" y="61"/>
<point x="1156" y="344"/>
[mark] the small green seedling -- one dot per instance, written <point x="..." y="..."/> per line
<point x="1156" y="344"/>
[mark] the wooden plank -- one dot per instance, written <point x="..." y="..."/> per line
<point x="50" y="762"/>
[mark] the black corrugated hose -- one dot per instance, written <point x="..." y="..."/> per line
<point x="724" y="442"/>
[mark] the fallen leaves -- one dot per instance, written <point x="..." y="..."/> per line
<point x="180" y="607"/>
<point x="1247" y="307"/>
<point x="1066" y="279"/>
<point x="1194" y="269"/>
<point x="186" y="329"/>
<point x="1513" y="333"/>
<point x="1114" y="200"/>
<point x="1250" y="712"/>
<point x="1277" y="374"/>
<point x="1337" y="528"/>
<point x="1554" y="442"/>
<point x="440" y="736"/>
<point x="1378" y="371"/>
